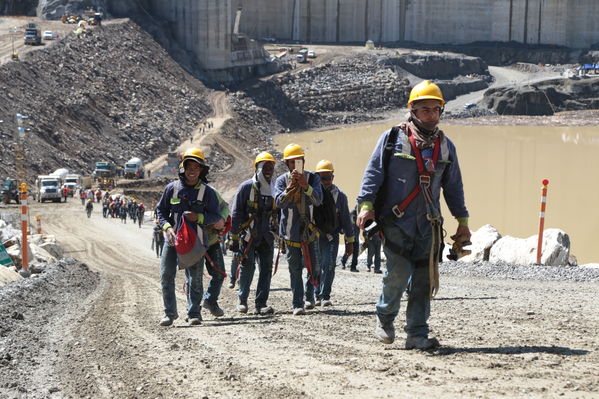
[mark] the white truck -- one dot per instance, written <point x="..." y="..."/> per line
<point x="73" y="183"/>
<point x="48" y="188"/>
<point x="134" y="169"/>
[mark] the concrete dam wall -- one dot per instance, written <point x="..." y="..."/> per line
<point x="571" y="23"/>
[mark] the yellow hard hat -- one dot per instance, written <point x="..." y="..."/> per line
<point x="325" y="166"/>
<point x="194" y="154"/>
<point x="293" y="151"/>
<point x="425" y="90"/>
<point x="264" y="156"/>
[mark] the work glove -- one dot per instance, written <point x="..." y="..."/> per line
<point x="234" y="246"/>
<point x="349" y="249"/>
<point x="457" y="250"/>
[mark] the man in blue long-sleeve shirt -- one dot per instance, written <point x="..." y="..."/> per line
<point x="186" y="200"/>
<point x="411" y="172"/>
<point x="296" y="192"/>
<point x="252" y="215"/>
<point x="328" y="243"/>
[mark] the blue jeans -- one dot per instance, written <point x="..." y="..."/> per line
<point x="296" y="264"/>
<point x="410" y="267"/>
<point x="264" y="252"/>
<point x="218" y="276"/>
<point x="374" y="250"/>
<point x="168" y="270"/>
<point x="328" y="257"/>
<point x="234" y="265"/>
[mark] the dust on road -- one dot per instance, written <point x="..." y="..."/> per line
<point x="500" y="337"/>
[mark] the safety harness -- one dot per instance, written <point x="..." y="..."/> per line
<point x="177" y="210"/>
<point x="425" y="176"/>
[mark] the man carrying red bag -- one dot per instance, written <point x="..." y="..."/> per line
<point x="191" y="198"/>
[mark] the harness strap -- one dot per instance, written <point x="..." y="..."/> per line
<point x="423" y="175"/>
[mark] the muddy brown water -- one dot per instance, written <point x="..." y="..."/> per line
<point x="502" y="168"/>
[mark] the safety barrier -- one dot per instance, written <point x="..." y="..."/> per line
<point x="542" y="219"/>
<point x="38" y="222"/>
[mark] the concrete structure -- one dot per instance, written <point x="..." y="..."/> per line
<point x="571" y="23"/>
<point x="205" y="29"/>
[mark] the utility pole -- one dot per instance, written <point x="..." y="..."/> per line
<point x="20" y="149"/>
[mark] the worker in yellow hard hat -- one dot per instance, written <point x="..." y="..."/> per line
<point x="189" y="200"/>
<point x="399" y="196"/>
<point x="335" y="212"/>
<point x="253" y="215"/>
<point x="296" y="192"/>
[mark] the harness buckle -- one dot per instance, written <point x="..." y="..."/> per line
<point x="397" y="212"/>
<point x="425" y="180"/>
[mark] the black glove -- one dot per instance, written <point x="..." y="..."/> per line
<point x="234" y="246"/>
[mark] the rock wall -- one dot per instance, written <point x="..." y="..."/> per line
<point x="544" y="98"/>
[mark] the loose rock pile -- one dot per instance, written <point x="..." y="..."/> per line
<point x="109" y="96"/>
<point x="42" y="250"/>
<point x="545" y="98"/>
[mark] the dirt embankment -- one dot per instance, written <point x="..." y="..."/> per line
<point x="108" y="96"/>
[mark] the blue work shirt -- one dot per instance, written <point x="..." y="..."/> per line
<point x="248" y="201"/>
<point x="289" y="225"/>
<point x="403" y="177"/>
<point x="345" y="226"/>
<point x="170" y="210"/>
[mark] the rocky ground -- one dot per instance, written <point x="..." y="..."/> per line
<point x="109" y="96"/>
<point x="90" y="330"/>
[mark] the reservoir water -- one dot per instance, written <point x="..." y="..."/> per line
<point x="502" y="168"/>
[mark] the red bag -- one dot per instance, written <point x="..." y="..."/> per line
<point x="189" y="245"/>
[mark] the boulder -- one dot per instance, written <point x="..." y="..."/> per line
<point x="482" y="241"/>
<point x="8" y="275"/>
<point x="53" y="249"/>
<point x="41" y="255"/>
<point x="14" y="251"/>
<point x="556" y="249"/>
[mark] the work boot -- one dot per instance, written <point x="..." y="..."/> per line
<point x="299" y="311"/>
<point x="385" y="332"/>
<point x="309" y="305"/>
<point x="353" y="269"/>
<point x="327" y="302"/>
<point x="195" y="321"/>
<point x="368" y="269"/>
<point x="167" y="321"/>
<point x="231" y="283"/>
<point x="377" y="271"/>
<point x="422" y="343"/>
<point x="265" y="310"/>
<point x="242" y="307"/>
<point x="214" y="309"/>
<point x="318" y="302"/>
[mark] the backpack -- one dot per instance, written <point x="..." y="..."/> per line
<point x="325" y="215"/>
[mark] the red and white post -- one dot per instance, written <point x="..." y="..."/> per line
<point x="542" y="220"/>
<point x="24" y="246"/>
<point x="38" y="221"/>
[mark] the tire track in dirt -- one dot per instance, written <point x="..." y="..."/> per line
<point x="514" y="338"/>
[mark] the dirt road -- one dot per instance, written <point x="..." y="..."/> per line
<point x="533" y="339"/>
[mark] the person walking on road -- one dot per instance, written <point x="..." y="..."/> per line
<point x="356" y="250"/>
<point x="157" y="239"/>
<point x="253" y="213"/>
<point x="329" y="241"/>
<point x="186" y="200"/>
<point x="400" y="188"/>
<point x="374" y="253"/>
<point x="295" y="192"/>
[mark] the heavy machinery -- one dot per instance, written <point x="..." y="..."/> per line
<point x="134" y="169"/>
<point x="104" y="174"/>
<point x="33" y="35"/>
<point x="10" y="191"/>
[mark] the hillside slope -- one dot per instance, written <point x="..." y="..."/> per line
<point x="109" y="96"/>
